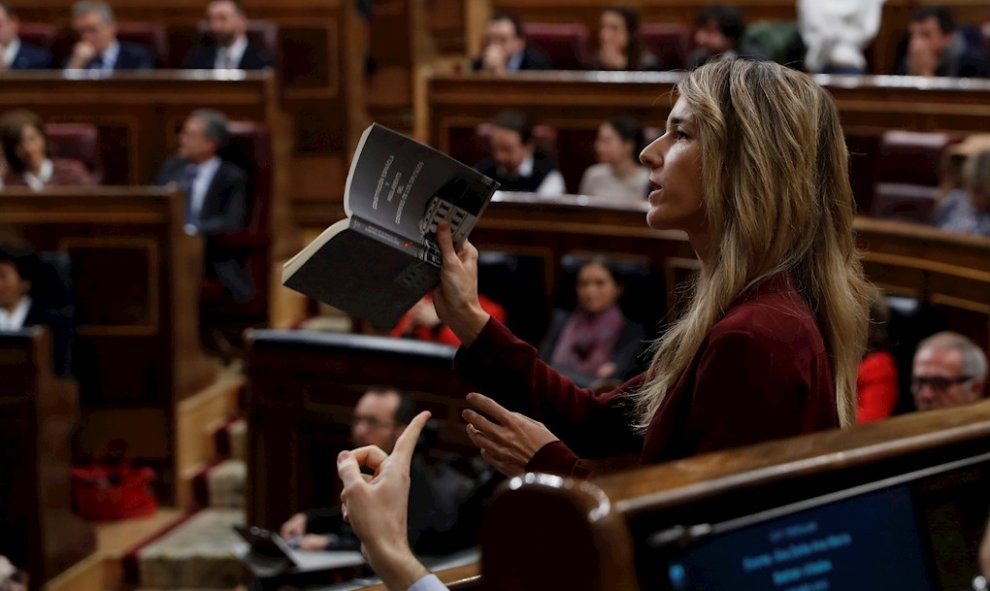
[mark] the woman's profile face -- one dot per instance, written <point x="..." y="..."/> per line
<point x="597" y="290"/>
<point x="609" y="147"/>
<point x="32" y="148"/>
<point x="612" y="31"/>
<point x="676" y="187"/>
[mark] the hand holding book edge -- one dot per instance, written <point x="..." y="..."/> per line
<point x="456" y="298"/>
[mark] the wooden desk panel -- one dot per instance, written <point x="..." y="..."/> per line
<point x="136" y="282"/>
<point x="600" y="528"/>
<point x="303" y="388"/>
<point x="38" y="413"/>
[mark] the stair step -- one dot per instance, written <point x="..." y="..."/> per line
<point x="200" y="554"/>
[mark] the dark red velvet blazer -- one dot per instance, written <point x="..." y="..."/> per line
<point x="761" y="373"/>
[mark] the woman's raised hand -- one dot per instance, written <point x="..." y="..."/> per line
<point x="456" y="298"/>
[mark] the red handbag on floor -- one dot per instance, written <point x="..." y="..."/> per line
<point x="113" y="490"/>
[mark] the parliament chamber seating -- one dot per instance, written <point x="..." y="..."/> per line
<point x="150" y="35"/>
<point x="303" y="386"/>
<point x="38" y="414"/>
<point x="985" y="38"/>
<point x="565" y="44"/>
<point x="908" y="175"/>
<point x="135" y="277"/>
<point x="38" y="34"/>
<point x="544" y="141"/>
<point x="182" y="39"/>
<point x="671" y="42"/>
<point x="251" y="149"/>
<point x="77" y="141"/>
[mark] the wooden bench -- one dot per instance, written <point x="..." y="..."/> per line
<point x="624" y="531"/>
<point x="303" y="387"/>
<point x="38" y="413"/>
<point x="135" y="275"/>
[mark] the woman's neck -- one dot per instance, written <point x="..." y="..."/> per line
<point x="36" y="166"/>
<point x="624" y="168"/>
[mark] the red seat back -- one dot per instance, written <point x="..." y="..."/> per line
<point x="671" y="42"/>
<point x="911" y="158"/>
<point x="77" y="141"/>
<point x="38" y="34"/>
<point x="149" y="35"/>
<point x="565" y="44"/>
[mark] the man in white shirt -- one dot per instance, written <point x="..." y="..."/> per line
<point x="836" y="33"/>
<point x="514" y="162"/>
<point x="228" y="46"/>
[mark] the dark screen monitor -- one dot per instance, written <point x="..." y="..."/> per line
<point x="918" y="532"/>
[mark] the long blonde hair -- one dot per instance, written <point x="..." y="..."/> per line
<point x="777" y="196"/>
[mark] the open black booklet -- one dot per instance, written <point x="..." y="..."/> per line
<point x="383" y="257"/>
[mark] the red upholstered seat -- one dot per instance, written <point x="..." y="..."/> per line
<point x="38" y="34"/>
<point x="565" y="44"/>
<point x="77" y="141"/>
<point x="911" y="158"/>
<point x="985" y="38"/>
<point x="908" y="172"/>
<point x="150" y="35"/>
<point x="671" y="42"/>
<point x="251" y="149"/>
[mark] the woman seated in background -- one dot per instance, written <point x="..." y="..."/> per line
<point x="618" y="172"/>
<point x="876" y="380"/>
<point x="28" y="155"/>
<point x="619" y="44"/>
<point x="967" y="210"/>
<point x="595" y="343"/>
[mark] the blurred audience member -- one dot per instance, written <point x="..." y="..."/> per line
<point x="438" y="494"/>
<point x="18" y="269"/>
<point x="949" y="370"/>
<point x="619" y="44"/>
<point x="717" y="35"/>
<point x="967" y="210"/>
<point x="836" y="33"/>
<point x="514" y="162"/>
<point x="618" y="172"/>
<point x="15" y="54"/>
<point x="423" y="324"/>
<point x="506" y="50"/>
<point x="216" y="198"/>
<point x="28" y="155"/>
<point x="98" y="48"/>
<point x="935" y="48"/>
<point x="594" y="343"/>
<point x="876" y="381"/>
<point x="228" y="47"/>
<point x="216" y="191"/>
<point x="11" y="579"/>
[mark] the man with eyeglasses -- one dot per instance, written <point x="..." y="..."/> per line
<point x="439" y="495"/>
<point x="949" y="370"/>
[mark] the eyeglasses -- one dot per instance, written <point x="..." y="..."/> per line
<point x="937" y="383"/>
<point x="371" y="422"/>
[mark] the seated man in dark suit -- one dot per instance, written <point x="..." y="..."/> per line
<point x="228" y="47"/>
<point x="515" y="163"/>
<point x="18" y="310"/>
<point x="443" y="503"/>
<point x="215" y="193"/>
<point x="98" y="48"/>
<point x="936" y="49"/>
<point x="15" y="54"/>
<point x="506" y="49"/>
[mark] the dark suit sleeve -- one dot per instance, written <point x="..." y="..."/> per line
<point x="200" y="58"/>
<point x="257" y="58"/>
<point x="166" y="174"/>
<point x="231" y="191"/>
<point x="535" y="59"/>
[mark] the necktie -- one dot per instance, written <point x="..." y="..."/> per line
<point x="188" y="181"/>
